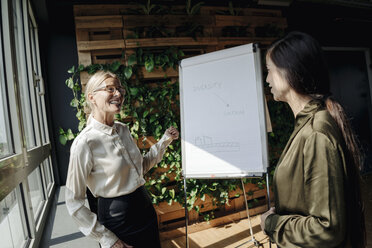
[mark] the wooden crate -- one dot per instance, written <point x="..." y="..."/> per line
<point x="104" y="33"/>
<point x="173" y="216"/>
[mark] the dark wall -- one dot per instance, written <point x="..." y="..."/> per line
<point x="343" y="29"/>
<point x="58" y="51"/>
<point x="332" y="25"/>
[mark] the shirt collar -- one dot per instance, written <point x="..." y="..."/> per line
<point x="310" y="108"/>
<point x="101" y="127"/>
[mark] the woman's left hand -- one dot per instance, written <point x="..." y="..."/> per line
<point x="172" y="132"/>
<point x="264" y="216"/>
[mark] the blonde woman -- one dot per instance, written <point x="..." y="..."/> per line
<point x="105" y="159"/>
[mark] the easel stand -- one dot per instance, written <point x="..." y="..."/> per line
<point x="253" y="240"/>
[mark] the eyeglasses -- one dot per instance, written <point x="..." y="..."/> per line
<point x="112" y="89"/>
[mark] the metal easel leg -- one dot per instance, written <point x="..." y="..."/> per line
<point x="256" y="243"/>
<point x="186" y="213"/>
<point x="268" y="194"/>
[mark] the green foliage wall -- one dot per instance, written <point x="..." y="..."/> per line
<point x="150" y="108"/>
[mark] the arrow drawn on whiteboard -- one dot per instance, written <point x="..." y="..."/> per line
<point x="227" y="105"/>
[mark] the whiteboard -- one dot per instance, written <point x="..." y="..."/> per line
<point x="223" y="125"/>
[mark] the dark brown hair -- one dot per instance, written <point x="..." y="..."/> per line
<point x="301" y="59"/>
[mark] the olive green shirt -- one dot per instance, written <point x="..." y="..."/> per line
<point x="309" y="184"/>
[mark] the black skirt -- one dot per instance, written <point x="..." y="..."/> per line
<point x="131" y="217"/>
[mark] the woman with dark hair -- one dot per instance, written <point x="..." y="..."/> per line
<point x="316" y="182"/>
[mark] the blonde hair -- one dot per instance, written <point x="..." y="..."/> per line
<point x="94" y="82"/>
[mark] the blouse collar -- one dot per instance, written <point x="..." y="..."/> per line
<point x="100" y="126"/>
<point x="310" y="108"/>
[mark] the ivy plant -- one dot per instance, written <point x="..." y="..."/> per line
<point x="150" y="108"/>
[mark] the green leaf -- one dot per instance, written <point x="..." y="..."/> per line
<point x="149" y="65"/>
<point x="152" y="118"/>
<point x="134" y="91"/>
<point x="74" y="103"/>
<point x="163" y="190"/>
<point x="63" y="139"/>
<point x="132" y="59"/>
<point x="115" y="66"/>
<point x="172" y="193"/>
<point x="61" y="131"/>
<point x="203" y="198"/>
<point x="70" y="83"/>
<point x="81" y="125"/>
<point x="128" y="72"/>
<point x="79" y="114"/>
<point x="70" y="135"/>
<point x="81" y="68"/>
<point x="71" y="70"/>
<point x="145" y="113"/>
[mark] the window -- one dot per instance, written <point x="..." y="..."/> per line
<point x="5" y="137"/>
<point x="22" y="69"/>
<point x="11" y="225"/>
<point x="36" y="191"/>
<point x="48" y="174"/>
<point x="25" y="166"/>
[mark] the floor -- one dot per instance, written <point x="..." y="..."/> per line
<point x="62" y="232"/>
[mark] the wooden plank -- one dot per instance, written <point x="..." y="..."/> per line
<point x="164" y="207"/>
<point x="158" y="73"/>
<point x="176" y="41"/>
<point x="132" y="21"/>
<point x="84" y="77"/>
<point x="178" y="232"/>
<point x="102" y="9"/>
<point x="84" y="57"/>
<point x="98" y="22"/>
<point x="234" y="41"/>
<point x="248" y="187"/>
<point x="100" y="45"/>
<point x="171" y="215"/>
<point x="212" y="10"/>
<point x="107" y="56"/>
<point x="82" y="35"/>
<point x="222" y="21"/>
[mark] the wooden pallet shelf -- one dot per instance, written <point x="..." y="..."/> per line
<point x="109" y="28"/>
<point x="108" y="33"/>
<point x="172" y="217"/>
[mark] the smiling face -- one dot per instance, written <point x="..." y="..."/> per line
<point x="108" y="103"/>
<point x="280" y="87"/>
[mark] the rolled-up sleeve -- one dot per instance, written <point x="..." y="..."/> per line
<point x="156" y="152"/>
<point x="80" y="166"/>
<point x="324" y="223"/>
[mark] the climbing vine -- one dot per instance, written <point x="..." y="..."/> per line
<point x="151" y="106"/>
<point x="149" y="109"/>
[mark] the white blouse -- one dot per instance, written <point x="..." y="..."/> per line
<point x="107" y="160"/>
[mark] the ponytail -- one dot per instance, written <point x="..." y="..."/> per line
<point x="354" y="202"/>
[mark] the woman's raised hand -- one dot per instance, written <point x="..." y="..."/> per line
<point x="172" y="132"/>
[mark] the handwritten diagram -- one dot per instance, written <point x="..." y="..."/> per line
<point x="206" y="143"/>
